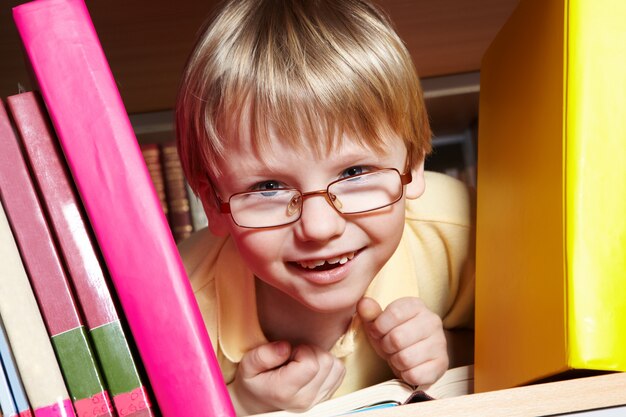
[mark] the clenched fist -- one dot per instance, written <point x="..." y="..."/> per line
<point x="408" y="336"/>
<point x="276" y="376"/>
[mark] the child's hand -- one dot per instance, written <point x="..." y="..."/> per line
<point x="276" y="377"/>
<point x="409" y="336"/>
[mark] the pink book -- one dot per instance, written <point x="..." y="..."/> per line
<point x="49" y="282"/>
<point x="22" y="318"/>
<point x="123" y="207"/>
<point x="84" y="270"/>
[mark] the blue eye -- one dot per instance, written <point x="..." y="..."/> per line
<point x="352" y="171"/>
<point x="267" y="186"/>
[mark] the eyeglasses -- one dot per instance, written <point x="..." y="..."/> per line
<point x="352" y="195"/>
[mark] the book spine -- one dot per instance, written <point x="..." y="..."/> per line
<point x="151" y="153"/>
<point x="49" y="283"/>
<point x="23" y="323"/>
<point x="7" y="404"/>
<point x="13" y="378"/>
<point x="79" y="252"/>
<point x="594" y="159"/>
<point x="176" y="193"/>
<point x="115" y="186"/>
<point x="26" y="332"/>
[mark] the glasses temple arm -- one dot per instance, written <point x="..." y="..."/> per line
<point x="222" y="206"/>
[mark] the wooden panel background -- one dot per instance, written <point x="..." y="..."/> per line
<point x="147" y="42"/>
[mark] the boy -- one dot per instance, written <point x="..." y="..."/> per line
<point x="301" y="126"/>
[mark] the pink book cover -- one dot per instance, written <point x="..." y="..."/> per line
<point x="84" y="270"/>
<point x="21" y="316"/>
<point x="49" y="282"/>
<point x="123" y="207"/>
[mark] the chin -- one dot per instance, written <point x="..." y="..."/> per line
<point x="324" y="303"/>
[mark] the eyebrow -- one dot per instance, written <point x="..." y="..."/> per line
<point x="262" y="169"/>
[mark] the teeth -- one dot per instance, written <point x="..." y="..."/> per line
<point x="338" y="259"/>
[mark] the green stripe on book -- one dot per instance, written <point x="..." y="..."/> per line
<point x="117" y="362"/>
<point x="77" y="363"/>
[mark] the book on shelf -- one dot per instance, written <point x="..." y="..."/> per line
<point x="186" y="214"/>
<point x="14" y="381"/>
<point x="49" y="281"/>
<point x="25" y="329"/>
<point x="115" y="186"/>
<point x="179" y="211"/>
<point x="551" y="247"/>
<point x="85" y="271"/>
<point x="151" y="153"/>
<point x="7" y="404"/>
<point x="455" y="382"/>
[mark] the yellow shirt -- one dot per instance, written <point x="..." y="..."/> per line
<point x="434" y="261"/>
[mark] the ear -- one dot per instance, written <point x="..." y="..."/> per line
<point x="416" y="187"/>
<point x="218" y="223"/>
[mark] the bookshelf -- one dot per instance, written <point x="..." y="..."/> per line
<point x="457" y="139"/>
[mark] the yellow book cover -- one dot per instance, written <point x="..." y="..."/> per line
<point x="551" y="214"/>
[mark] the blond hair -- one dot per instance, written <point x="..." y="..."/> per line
<point x="311" y="70"/>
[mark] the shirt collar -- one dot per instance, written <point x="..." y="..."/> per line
<point x="238" y="325"/>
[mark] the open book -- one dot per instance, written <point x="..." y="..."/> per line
<point x="455" y="382"/>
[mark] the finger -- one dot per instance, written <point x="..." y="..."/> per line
<point x="425" y="374"/>
<point x="332" y="381"/>
<point x="416" y="354"/>
<point x="368" y="309"/>
<point x="314" y="375"/>
<point x="315" y="362"/>
<point x="415" y="330"/>
<point x="302" y="368"/>
<point x="264" y="358"/>
<point x="398" y="312"/>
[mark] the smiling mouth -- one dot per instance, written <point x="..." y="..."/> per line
<point x="326" y="264"/>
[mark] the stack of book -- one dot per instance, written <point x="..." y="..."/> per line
<point x="64" y="268"/>
<point x="86" y="247"/>
<point x="182" y="207"/>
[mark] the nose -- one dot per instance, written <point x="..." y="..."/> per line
<point x="319" y="221"/>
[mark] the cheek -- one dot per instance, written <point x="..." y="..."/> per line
<point x="259" y="248"/>
<point x="385" y="234"/>
<point x="387" y="228"/>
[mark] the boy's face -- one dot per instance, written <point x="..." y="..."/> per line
<point x="282" y="256"/>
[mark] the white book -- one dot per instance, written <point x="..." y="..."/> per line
<point x="25" y="328"/>
<point x="455" y="382"/>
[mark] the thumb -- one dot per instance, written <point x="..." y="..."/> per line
<point x="264" y="358"/>
<point x="368" y="310"/>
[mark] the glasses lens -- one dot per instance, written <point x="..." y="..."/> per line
<point x="366" y="192"/>
<point x="266" y="208"/>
